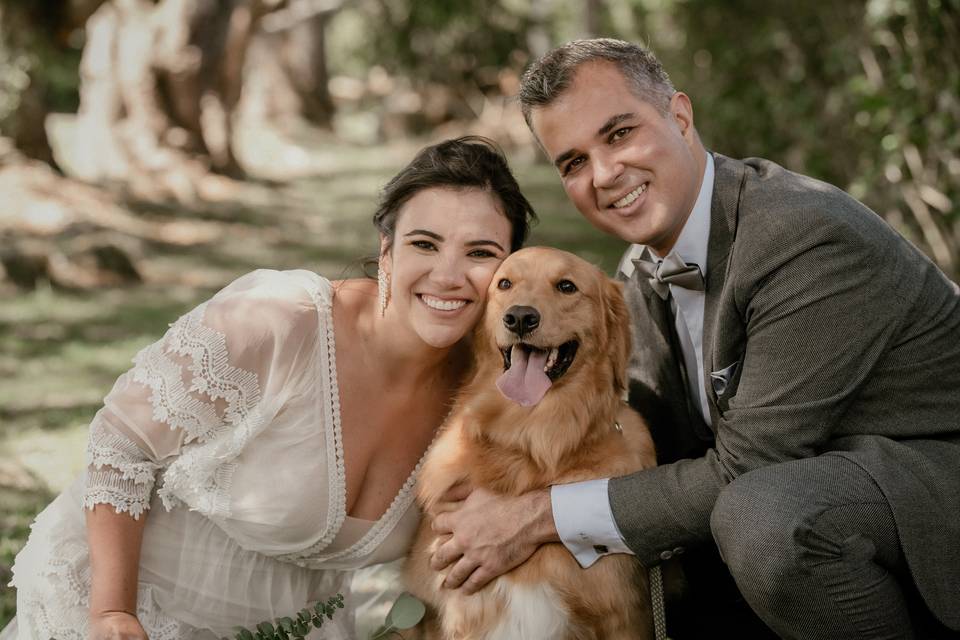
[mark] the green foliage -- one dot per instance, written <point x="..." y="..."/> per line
<point x="452" y="43"/>
<point x="864" y="94"/>
<point x="297" y="628"/>
<point x="35" y="53"/>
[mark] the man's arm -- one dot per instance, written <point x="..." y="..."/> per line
<point x="491" y="534"/>
<point x="816" y="306"/>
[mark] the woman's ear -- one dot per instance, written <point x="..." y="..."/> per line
<point x="383" y="261"/>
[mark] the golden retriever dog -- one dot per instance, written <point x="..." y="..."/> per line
<point x="543" y="407"/>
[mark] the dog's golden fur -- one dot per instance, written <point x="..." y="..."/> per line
<point x="570" y="435"/>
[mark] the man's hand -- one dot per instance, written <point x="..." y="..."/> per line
<point x="487" y="534"/>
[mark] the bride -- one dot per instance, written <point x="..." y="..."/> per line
<point x="267" y="445"/>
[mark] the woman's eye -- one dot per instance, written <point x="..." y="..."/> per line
<point x="504" y="284"/>
<point x="423" y="244"/>
<point x="565" y="286"/>
<point x="481" y="253"/>
<point x="619" y="133"/>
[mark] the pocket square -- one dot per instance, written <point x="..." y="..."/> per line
<point x="720" y="380"/>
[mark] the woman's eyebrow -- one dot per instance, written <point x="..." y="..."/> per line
<point x="477" y="243"/>
<point x="423" y="232"/>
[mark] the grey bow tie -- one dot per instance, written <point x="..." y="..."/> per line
<point x="670" y="270"/>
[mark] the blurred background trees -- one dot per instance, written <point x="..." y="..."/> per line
<point x="861" y="93"/>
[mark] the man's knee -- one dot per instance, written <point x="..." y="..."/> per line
<point x="755" y="526"/>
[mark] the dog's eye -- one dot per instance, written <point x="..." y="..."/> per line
<point x="565" y="286"/>
<point x="504" y="284"/>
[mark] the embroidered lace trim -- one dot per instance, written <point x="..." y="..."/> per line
<point x="54" y="600"/>
<point x="337" y="490"/>
<point x="107" y="486"/>
<point x="117" y="473"/>
<point x="201" y="475"/>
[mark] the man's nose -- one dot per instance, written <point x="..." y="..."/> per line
<point x="606" y="170"/>
<point x="521" y="320"/>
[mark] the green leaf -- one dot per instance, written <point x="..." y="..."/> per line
<point x="285" y="623"/>
<point x="243" y="634"/>
<point x="381" y="632"/>
<point x="406" y="612"/>
<point x="266" y="629"/>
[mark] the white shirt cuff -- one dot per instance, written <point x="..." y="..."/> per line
<point x="584" y="520"/>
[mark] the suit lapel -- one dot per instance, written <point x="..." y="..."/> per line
<point x="724" y="206"/>
<point x="657" y="388"/>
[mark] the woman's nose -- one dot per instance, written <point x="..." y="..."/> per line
<point x="449" y="271"/>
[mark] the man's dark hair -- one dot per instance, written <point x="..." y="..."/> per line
<point x="546" y="79"/>
<point x="467" y="162"/>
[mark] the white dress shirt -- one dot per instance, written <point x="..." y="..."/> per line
<point x="581" y="510"/>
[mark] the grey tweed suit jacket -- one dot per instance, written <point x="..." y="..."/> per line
<point x="824" y="330"/>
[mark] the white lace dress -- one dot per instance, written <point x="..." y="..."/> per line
<point x="228" y="431"/>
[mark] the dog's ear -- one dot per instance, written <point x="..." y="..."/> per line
<point x="619" y="334"/>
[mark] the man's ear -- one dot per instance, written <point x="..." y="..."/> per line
<point x="681" y="110"/>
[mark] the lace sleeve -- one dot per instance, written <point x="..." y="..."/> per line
<point x="215" y="367"/>
<point x="118" y="473"/>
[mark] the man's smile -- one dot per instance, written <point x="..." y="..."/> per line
<point x="628" y="199"/>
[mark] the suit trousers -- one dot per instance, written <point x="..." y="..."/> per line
<point x="813" y="548"/>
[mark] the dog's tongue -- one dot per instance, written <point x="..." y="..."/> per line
<point x="525" y="382"/>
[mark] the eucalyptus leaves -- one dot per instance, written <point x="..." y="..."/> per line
<point x="405" y="613"/>
<point x="293" y="628"/>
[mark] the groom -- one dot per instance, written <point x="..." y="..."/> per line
<point x="798" y="362"/>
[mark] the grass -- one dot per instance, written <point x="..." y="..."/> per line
<point x="60" y="352"/>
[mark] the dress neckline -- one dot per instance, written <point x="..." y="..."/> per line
<point x="337" y="491"/>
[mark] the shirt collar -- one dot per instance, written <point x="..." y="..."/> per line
<point x="694" y="238"/>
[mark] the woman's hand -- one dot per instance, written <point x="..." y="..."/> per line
<point x="116" y="625"/>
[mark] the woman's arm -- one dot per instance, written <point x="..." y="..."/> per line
<point x="215" y="365"/>
<point x="114" y="539"/>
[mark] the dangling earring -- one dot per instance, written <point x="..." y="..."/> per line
<point x="383" y="289"/>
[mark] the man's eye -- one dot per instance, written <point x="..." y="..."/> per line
<point x="619" y="133"/>
<point x="504" y="284"/>
<point x="565" y="286"/>
<point x="573" y="164"/>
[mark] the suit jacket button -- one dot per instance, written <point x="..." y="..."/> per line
<point x="601" y="549"/>
<point x="666" y="555"/>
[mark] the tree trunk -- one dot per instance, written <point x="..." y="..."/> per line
<point x="160" y="82"/>
<point x="305" y="62"/>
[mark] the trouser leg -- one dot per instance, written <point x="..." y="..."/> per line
<point x="813" y="547"/>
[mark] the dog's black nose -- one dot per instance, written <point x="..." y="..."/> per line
<point x="521" y="320"/>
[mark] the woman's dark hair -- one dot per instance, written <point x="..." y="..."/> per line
<point x="467" y="162"/>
